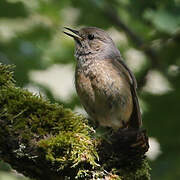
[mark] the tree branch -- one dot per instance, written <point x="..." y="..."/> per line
<point x="46" y="141"/>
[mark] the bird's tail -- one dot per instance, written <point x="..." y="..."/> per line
<point x="135" y="119"/>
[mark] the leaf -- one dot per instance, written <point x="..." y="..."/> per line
<point x="164" y="20"/>
<point x="12" y="10"/>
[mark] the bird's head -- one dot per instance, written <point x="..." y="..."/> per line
<point x="93" y="42"/>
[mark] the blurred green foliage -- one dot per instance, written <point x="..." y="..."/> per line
<point x="31" y="38"/>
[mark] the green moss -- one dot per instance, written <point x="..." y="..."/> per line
<point x="69" y="149"/>
<point x="138" y="172"/>
<point x="63" y="136"/>
<point x="6" y="75"/>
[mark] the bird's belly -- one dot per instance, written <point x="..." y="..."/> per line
<point x="105" y="97"/>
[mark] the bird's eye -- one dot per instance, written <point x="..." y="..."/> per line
<point x="90" y="36"/>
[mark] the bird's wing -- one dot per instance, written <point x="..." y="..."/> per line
<point x="135" y="120"/>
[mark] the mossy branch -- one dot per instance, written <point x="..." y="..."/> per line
<point x="46" y="141"/>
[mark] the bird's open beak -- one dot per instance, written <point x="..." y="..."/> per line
<point x="76" y="35"/>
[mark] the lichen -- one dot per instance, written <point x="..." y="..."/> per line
<point x="96" y="174"/>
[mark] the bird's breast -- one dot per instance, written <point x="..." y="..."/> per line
<point x="102" y="75"/>
<point x="103" y="90"/>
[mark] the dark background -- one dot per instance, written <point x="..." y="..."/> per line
<point x="148" y="36"/>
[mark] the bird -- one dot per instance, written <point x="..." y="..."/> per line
<point x="106" y="87"/>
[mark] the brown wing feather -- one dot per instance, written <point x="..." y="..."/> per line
<point x="135" y="120"/>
